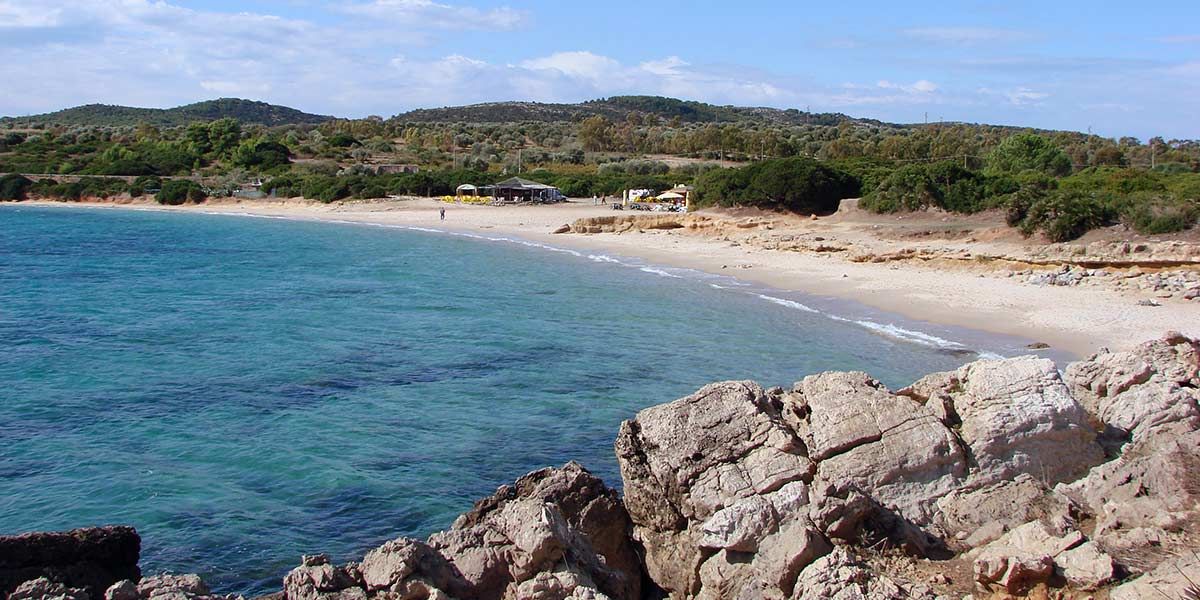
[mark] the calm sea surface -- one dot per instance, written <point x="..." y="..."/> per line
<point x="246" y="390"/>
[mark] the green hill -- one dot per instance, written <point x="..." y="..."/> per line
<point x="619" y="108"/>
<point x="103" y="115"/>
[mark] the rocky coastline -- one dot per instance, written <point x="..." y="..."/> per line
<point x="1003" y="478"/>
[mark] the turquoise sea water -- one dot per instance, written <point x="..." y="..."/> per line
<point x="246" y="390"/>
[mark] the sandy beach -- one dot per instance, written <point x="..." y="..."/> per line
<point x="981" y="295"/>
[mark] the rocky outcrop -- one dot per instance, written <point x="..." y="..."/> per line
<point x="741" y="492"/>
<point x="1002" y="477"/>
<point x="554" y="534"/>
<point x="88" y="559"/>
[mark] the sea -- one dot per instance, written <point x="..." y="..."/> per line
<point x="246" y="390"/>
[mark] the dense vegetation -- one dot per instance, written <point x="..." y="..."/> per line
<point x="1060" y="183"/>
<point x="800" y="185"/>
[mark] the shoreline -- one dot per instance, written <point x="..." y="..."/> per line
<point x="1073" y="321"/>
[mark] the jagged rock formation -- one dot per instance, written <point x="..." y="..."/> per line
<point x="738" y="492"/>
<point x="556" y="533"/>
<point x="1008" y="476"/>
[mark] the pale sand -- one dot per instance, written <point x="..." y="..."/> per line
<point x="1072" y="319"/>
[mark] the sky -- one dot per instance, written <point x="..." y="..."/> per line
<point x="1115" y="68"/>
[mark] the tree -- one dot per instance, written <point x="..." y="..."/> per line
<point x="1028" y="152"/>
<point x="595" y="133"/>
<point x="14" y="187"/>
<point x="224" y="135"/>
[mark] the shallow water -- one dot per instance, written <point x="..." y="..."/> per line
<point x="246" y="390"/>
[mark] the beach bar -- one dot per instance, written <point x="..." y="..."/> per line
<point x="523" y="190"/>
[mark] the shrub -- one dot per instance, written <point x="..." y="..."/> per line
<point x="799" y="185"/>
<point x="1028" y="152"/>
<point x="14" y="187"/>
<point x="145" y="184"/>
<point x="869" y="172"/>
<point x="179" y="191"/>
<point x="1064" y="215"/>
<point x="1151" y="214"/>
<point x="908" y="188"/>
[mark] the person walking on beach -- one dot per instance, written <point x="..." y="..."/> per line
<point x="442" y="214"/>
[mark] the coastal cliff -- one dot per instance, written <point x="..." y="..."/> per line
<point x="1003" y="477"/>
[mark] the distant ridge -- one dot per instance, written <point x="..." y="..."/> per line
<point x="245" y="111"/>
<point x="619" y="108"/>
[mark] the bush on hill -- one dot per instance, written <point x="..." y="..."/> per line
<point x="179" y="191"/>
<point x="1028" y="152"/>
<point x="14" y="187"/>
<point x="800" y="185"/>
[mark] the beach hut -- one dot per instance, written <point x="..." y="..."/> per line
<point x="516" y="189"/>
<point x="466" y="189"/>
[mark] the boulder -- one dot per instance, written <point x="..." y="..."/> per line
<point x="1022" y="558"/>
<point x="122" y="590"/>
<point x="861" y="434"/>
<point x="317" y="579"/>
<point x="840" y="575"/>
<point x="1136" y="395"/>
<point x="177" y="587"/>
<point x="92" y="559"/>
<point x="44" y="589"/>
<point x="1086" y="566"/>
<point x="555" y="533"/>
<point x="548" y="520"/>
<point x="1016" y="416"/>
<point x="974" y="517"/>
<point x="1173" y="578"/>
<point x="682" y="463"/>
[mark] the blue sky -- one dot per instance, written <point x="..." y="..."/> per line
<point x="1117" y="68"/>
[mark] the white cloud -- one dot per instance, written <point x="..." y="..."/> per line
<point x="434" y="14"/>
<point x="1023" y="95"/>
<point x="14" y="15"/>
<point x="964" y="35"/>
<point x="921" y="86"/>
<point x="579" y="65"/>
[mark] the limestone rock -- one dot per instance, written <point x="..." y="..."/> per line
<point x="977" y="516"/>
<point x="1152" y="389"/>
<point x="1022" y="558"/>
<point x="1086" y="566"/>
<point x="547" y="520"/>
<point x="685" y="461"/>
<point x="92" y="558"/>
<point x="888" y="445"/>
<point x="1017" y="417"/>
<point x="1174" y="578"/>
<point x="839" y="575"/>
<point x="44" y="589"/>
<point x="316" y="579"/>
<point x="122" y="590"/>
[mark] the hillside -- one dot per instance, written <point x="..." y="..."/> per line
<point x="619" y="108"/>
<point x="245" y="111"/>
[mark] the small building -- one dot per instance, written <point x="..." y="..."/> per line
<point x="393" y="169"/>
<point x="523" y="190"/>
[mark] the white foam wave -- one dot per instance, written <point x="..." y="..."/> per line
<point x="604" y="258"/>
<point x="989" y="355"/>
<point x="788" y="303"/>
<point x="905" y="335"/>
<point x="661" y="272"/>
